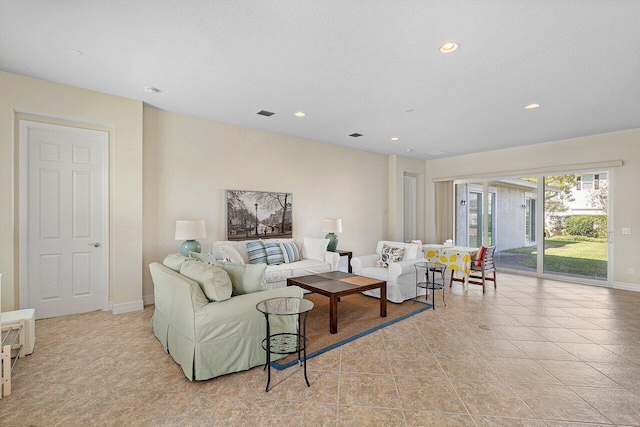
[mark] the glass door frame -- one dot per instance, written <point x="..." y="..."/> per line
<point x="540" y="230"/>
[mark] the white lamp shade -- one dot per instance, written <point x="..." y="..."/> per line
<point x="332" y="225"/>
<point x="190" y="230"/>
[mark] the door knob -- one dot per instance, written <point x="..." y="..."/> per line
<point x="95" y="245"/>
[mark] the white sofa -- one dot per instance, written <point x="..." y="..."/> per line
<point x="400" y="276"/>
<point x="276" y="275"/>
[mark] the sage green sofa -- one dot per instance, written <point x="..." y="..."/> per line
<point x="209" y="339"/>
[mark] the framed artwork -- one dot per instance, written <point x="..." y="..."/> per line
<point x="259" y="214"/>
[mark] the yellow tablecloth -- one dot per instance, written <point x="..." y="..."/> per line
<point x="456" y="258"/>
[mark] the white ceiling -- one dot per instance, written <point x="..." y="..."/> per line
<point x="352" y="66"/>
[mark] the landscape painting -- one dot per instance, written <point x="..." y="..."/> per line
<point x="258" y="214"/>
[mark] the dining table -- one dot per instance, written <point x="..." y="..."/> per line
<point x="458" y="259"/>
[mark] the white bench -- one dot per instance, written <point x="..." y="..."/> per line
<point x="9" y="318"/>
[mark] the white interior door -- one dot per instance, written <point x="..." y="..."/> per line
<point x="64" y="262"/>
<point x="410" y="207"/>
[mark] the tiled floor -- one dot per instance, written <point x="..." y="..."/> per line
<point x="534" y="353"/>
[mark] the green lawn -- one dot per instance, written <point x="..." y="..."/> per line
<point x="567" y="254"/>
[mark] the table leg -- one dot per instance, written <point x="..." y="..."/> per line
<point x="333" y="314"/>
<point x="383" y="300"/>
<point x="268" y="366"/>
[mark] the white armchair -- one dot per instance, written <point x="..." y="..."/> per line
<point x="400" y="276"/>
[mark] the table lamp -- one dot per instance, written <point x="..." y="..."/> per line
<point x="332" y="226"/>
<point x="190" y="231"/>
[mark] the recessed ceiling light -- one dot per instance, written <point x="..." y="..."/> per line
<point x="395" y="138"/>
<point x="410" y="110"/>
<point x="448" y="47"/>
<point x="300" y="114"/>
<point x="74" y="52"/>
<point x="408" y="150"/>
<point x="151" y="89"/>
<point x="531" y="106"/>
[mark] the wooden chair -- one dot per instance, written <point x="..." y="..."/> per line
<point x="480" y="268"/>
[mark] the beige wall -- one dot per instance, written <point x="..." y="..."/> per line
<point x="122" y="118"/>
<point x="623" y="145"/>
<point x="190" y="162"/>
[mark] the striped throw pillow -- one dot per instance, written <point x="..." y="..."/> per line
<point x="274" y="253"/>
<point x="257" y="254"/>
<point x="290" y="252"/>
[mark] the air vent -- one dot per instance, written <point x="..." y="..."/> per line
<point x="265" y="113"/>
<point x="355" y="135"/>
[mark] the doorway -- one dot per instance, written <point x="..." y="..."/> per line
<point x="63" y="219"/>
<point x="410" y="207"/>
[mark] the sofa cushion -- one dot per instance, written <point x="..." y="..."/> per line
<point x="257" y="253"/>
<point x="314" y="249"/>
<point x="379" y="273"/>
<point x="174" y="261"/>
<point x="411" y="251"/>
<point x="230" y="253"/>
<point x="307" y="266"/>
<point x="245" y="278"/>
<point x="274" y="253"/>
<point x="201" y="257"/>
<point x="290" y="252"/>
<point x="277" y="273"/>
<point x="240" y="246"/>
<point x="389" y="255"/>
<point x="214" y="281"/>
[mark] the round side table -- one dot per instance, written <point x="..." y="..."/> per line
<point x="286" y="342"/>
<point x="429" y="284"/>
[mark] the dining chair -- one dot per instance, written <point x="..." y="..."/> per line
<point x="485" y="263"/>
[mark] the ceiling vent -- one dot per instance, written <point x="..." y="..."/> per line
<point x="355" y="135"/>
<point x="265" y="113"/>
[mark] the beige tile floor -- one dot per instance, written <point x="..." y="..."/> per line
<point x="532" y="353"/>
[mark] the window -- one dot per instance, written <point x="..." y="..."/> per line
<point x="585" y="182"/>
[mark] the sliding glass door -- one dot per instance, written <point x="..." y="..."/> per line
<point x="576" y="242"/>
<point x="547" y="226"/>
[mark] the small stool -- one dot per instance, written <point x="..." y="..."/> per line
<point x="28" y="315"/>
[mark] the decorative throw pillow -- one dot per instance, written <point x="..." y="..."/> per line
<point x="174" y="261"/>
<point x="389" y="255"/>
<point x="480" y="256"/>
<point x="314" y="249"/>
<point x="274" y="253"/>
<point x="201" y="257"/>
<point x="257" y="254"/>
<point x="290" y="252"/>
<point x="231" y="253"/>
<point x="214" y="281"/>
<point x="245" y="278"/>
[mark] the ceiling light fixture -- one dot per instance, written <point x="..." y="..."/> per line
<point x="151" y="89"/>
<point x="74" y="52"/>
<point x="300" y="114"/>
<point x="448" y="47"/>
<point x="531" y="106"/>
<point x="265" y="113"/>
<point x="408" y="150"/>
<point x="395" y="138"/>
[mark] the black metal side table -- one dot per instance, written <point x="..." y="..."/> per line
<point x="286" y="342"/>
<point x="429" y="284"/>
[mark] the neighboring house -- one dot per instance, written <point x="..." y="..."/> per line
<point x="584" y="197"/>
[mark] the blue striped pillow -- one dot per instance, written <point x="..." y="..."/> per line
<point x="274" y="253"/>
<point x="257" y="254"/>
<point x="290" y="252"/>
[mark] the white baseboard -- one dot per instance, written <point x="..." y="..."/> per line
<point x="627" y="286"/>
<point x="126" y="307"/>
<point x="148" y="299"/>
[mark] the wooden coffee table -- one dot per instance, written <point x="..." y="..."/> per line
<point x="336" y="284"/>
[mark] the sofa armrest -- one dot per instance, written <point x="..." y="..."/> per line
<point x="401" y="268"/>
<point x="177" y="298"/>
<point x="332" y="258"/>
<point x="363" y="261"/>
